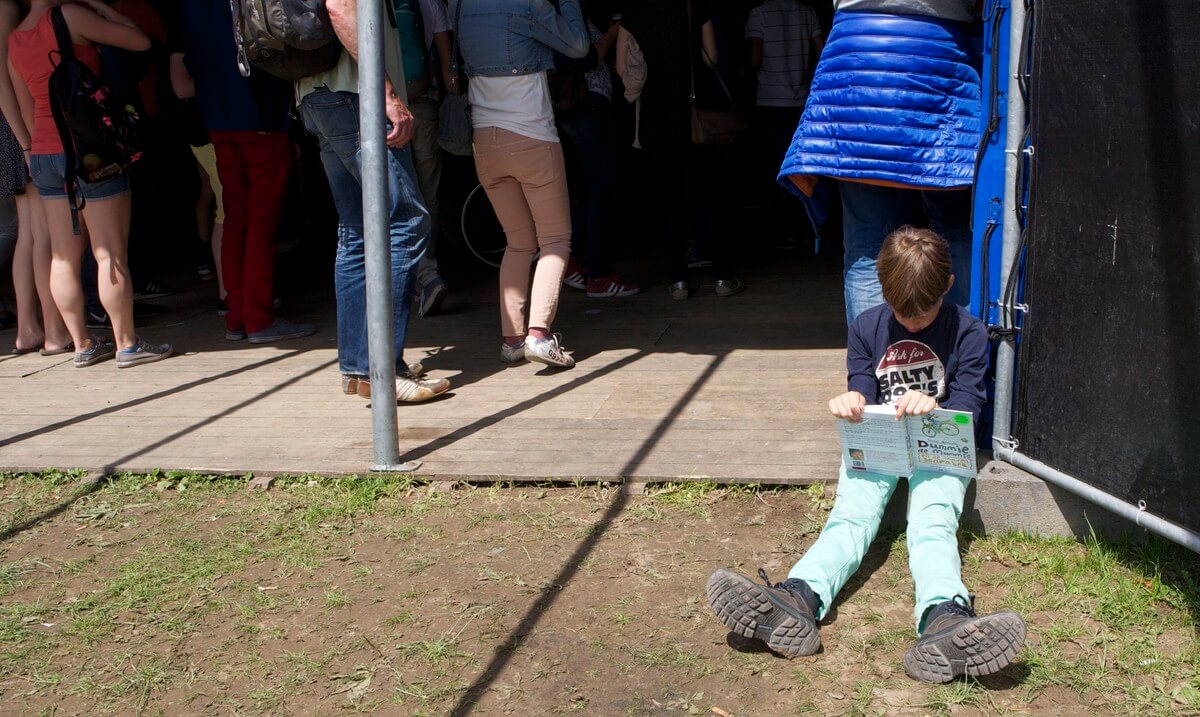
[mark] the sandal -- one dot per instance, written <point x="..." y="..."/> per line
<point x="18" y="351"/>
<point x="69" y="348"/>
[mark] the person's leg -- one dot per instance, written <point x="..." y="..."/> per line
<point x="669" y="160"/>
<point x="332" y="117"/>
<point x="30" y="334"/>
<point x="57" y="336"/>
<point x="935" y="503"/>
<point x="711" y="169"/>
<point x="427" y="158"/>
<point x="410" y="230"/>
<point x="949" y="214"/>
<point x="597" y="148"/>
<point x="869" y="214"/>
<point x="231" y="168"/>
<point x="543" y="175"/>
<point x="108" y="227"/>
<point x="852" y="526"/>
<point x="494" y="168"/>
<point x="267" y="162"/>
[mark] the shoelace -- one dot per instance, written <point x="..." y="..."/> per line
<point x="556" y="351"/>
<point x="959" y="606"/>
<point x="762" y="575"/>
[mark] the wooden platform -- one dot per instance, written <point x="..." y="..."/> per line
<point x="733" y="389"/>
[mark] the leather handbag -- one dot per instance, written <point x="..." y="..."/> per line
<point x="454" y="118"/>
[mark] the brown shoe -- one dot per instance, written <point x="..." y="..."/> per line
<point x="361" y="385"/>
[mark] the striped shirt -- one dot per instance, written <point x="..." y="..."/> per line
<point x="787" y="29"/>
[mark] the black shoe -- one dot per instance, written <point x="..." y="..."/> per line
<point x="98" y="319"/>
<point x="152" y="290"/>
<point x="781" y="615"/>
<point x="956" y="642"/>
<point x="143" y="310"/>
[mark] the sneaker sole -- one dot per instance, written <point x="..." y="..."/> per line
<point x="743" y="607"/>
<point x="145" y="360"/>
<point x="549" y="362"/>
<point x="93" y="360"/>
<point x="618" y="295"/>
<point x="983" y="646"/>
<point x="284" y="337"/>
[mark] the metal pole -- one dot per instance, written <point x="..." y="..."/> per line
<point x="1006" y="352"/>
<point x="1138" y="514"/>
<point x="376" y="225"/>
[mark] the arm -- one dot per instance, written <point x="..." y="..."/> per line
<point x="99" y="24"/>
<point x="708" y="41"/>
<point x="605" y="44"/>
<point x="818" y="46"/>
<point x="966" y="391"/>
<point x="9" y="104"/>
<point x="181" y="80"/>
<point x="755" y="34"/>
<point x="860" y="368"/>
<point x="562" y="29"/>
<point x="25" y="100"/>
<point x="343" y="15"/>
<point x="445" y="51"/>
<point x="756" y="52"/>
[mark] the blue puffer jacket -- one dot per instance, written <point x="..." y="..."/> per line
<point x="895" y="101"/>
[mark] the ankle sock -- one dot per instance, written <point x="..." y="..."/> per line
<point x="511" y="341"/>
<point x="540" y="334"/>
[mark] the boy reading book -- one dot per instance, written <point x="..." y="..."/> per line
<point x="915" y="353"/>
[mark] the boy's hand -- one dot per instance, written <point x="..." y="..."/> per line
<point x="849" y="406"/>
<point x="914" y="403"/>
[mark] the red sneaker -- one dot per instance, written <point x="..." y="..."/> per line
<point x="609" y="287"/>
<point x="575" y="276"/>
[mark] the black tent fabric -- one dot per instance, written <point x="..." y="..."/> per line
<point x="1111" y="344"/>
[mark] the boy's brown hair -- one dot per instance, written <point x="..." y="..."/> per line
<point x="914" y="270"/>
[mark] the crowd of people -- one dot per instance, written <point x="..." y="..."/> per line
<point x="888" y="118"/>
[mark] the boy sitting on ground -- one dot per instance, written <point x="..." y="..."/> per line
<point x="915" y="329"/>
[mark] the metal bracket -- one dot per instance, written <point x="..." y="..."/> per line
<point x="1023" y="308"/>
<point x="1009" y="445"/>
<point x="397" y="468"/>
<point x="1141" y="510"/>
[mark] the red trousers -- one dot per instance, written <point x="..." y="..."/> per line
<point x="253" y="168"/>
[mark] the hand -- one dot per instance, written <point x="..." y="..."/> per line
<point x="849" y="406"/>
<point x="401" y="120"/>
<point x="914" y="403"/>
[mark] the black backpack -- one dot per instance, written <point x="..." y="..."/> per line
<point x="98" y="129"/>
<point x="290" y="39"/>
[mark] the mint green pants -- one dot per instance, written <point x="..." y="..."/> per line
<point x="935" y="503"/>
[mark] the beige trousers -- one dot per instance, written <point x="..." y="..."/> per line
<point x="526" y="181"/>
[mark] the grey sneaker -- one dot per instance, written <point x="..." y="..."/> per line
<point x="416" y="390"/>
<point x="431" y="297"/>
<point x="679" y="290"/>
<point x="235" y="335"/>
<point x="101" y="350"/>
<point x="548" y="351"/>
<point x="143" y="353"/>
<point x="512" y="354"/>
<point x="782" y="615"/>
<point x="282" y="330"/>
<point x="729" y="287"/>
<point x="957" y="642"/>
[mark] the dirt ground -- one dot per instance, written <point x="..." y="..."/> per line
<point x="188" y="595"/>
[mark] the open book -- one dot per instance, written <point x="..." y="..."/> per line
<point x="940" y="441"/>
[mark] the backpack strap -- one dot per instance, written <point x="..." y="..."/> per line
<point x="455" y="65"/>
<point x="66" y="51"/>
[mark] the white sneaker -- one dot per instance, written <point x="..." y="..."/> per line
<point x="548" y="351"/>
<point x="512" y="354"/>
<point x="679" y="290"/>
<point x="416" y="390"/>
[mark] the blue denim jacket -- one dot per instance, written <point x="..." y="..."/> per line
<point x="518" y="37"/>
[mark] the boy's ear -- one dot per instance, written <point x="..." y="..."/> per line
<point x="949" y="285"/>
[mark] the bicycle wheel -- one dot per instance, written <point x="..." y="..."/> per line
<point x="481" y="230"/>
<point x="950" y="429"/>
<point x="929" y="431"/>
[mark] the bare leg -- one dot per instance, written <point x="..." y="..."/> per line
<point x="29" y="326"/>
<point x="218" y="231"/>
<point x="66" y="249"/>
<point x="108" y="226"/>
<point x="57" y="336"/>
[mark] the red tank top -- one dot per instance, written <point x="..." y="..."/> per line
<point x="29" y="51"/>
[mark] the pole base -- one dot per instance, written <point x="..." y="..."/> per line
<point x="396" y="467"/>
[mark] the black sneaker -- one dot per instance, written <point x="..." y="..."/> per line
<point x="956" y="642"/>
<point x="152" y="290"/>
<point x="143" y="310"/>
<point x="98" y="319"/>
<point x="781" y="615"/>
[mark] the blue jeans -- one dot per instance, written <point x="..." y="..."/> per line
<point x="870" y="213"/>
<point x="332" y="117"/>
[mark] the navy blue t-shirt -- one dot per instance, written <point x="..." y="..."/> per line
<point x="203" y="32"/>
<point x="946" y="360"/>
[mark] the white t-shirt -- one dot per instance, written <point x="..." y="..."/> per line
<point x="519" y="104"/>
<point x="787" y="29"/>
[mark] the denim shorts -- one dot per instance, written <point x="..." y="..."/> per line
<point x="50" y="177"/>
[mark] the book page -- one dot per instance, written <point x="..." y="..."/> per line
<point x="944" y="441"/>
<point x="878" y="444"/>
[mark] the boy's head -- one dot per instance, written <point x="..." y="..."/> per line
<point x="915" y="273"/>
